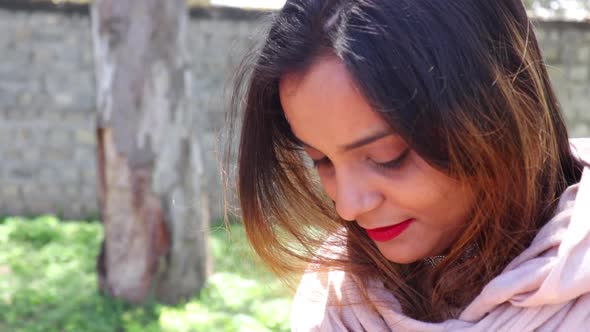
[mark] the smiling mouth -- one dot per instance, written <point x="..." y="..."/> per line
<point x="390" y="232"/>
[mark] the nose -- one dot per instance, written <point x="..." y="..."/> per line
<point x="355" y="196"/>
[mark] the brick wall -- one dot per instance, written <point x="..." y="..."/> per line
<point x="47" y="114"/>
<point x="566" y="49"/>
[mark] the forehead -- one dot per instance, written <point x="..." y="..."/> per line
<point x="323" y="102"/>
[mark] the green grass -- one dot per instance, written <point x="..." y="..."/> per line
<point x="48" y="283"/>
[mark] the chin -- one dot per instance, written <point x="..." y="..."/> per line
<point x="399" y="255"/>
<point x="402" y="260"/>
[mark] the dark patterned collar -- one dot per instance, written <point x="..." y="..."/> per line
<point x="433" y="261"/>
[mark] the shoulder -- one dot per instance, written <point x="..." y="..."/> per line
<point x="332" y="301"/>
<point x="581" y="150"/>
<point x="315" y="301"/>
<point x="554" y="271"/>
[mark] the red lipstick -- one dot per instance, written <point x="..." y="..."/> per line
<point x="387" y="233"/>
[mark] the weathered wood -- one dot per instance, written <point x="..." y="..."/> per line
<point x="154" y="207"/>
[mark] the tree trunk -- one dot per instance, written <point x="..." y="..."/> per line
<point x="153" y="203"/>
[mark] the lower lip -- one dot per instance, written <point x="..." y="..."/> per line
<point x="388" y="233"/>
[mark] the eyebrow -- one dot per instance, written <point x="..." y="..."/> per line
<point x="358" y="143"/>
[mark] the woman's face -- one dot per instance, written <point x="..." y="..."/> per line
<point x="411" y="210"/>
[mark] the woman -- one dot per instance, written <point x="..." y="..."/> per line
<point x="410" y="155"/>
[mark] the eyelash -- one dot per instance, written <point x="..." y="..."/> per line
<point x="393" y="164"/>
<point x="319" y="162"/>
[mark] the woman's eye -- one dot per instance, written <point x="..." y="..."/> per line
<point x="321" y="162"/>
<point x="395" y="163"/>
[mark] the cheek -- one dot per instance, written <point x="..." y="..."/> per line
<point x="329" y="185"/>
<point x="428" y="194"/>
<point x="446" y="204"/>
<point x="417" y="198"/>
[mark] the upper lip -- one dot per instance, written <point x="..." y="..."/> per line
<point x="391" y="225"/>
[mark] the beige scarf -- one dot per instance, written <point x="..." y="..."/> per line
<point x="545" y="288"/>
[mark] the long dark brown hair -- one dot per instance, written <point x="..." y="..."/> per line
<point x="462" y="82"/>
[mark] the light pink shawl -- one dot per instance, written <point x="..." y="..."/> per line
<point x="545" y="288"/>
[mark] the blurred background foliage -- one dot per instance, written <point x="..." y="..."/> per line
<point x="48" y="283"/>
<point x="191" y="3"/>
<point x="560" y="9"/>
<point x="556" y="6"/>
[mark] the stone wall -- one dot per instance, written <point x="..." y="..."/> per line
<point x="47" y="120"/>
<point x="566" y="50"/>
<point x="47" y="100"/>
